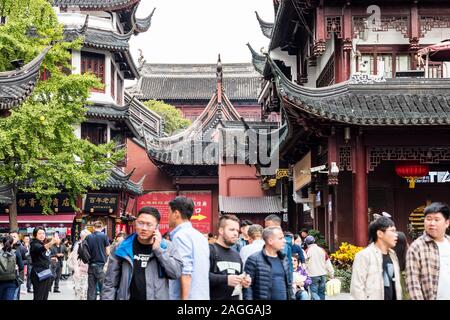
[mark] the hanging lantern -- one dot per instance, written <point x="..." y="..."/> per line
<point x="411" y="171"/>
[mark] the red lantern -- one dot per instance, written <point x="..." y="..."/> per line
<point x="411" y="171"/>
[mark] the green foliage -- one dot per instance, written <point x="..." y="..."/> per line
<point x="320" y="239"/>
<point x="345" y="275"/>
<point x="37" y="141"/>
<point x="173" y="118"/>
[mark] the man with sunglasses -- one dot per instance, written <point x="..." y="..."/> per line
<point x="143" y="263"/>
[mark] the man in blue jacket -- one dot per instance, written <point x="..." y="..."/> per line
<point x="141" y="266"/>
<point x="269" y="270"/>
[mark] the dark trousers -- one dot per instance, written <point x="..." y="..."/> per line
<point x="29" y="276"/>
<point x="95" y="276"/>
<point x="56" y="270"/>
<point x="40" y="288"/>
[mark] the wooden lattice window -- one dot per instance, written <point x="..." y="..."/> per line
<point x="94" y="63"/>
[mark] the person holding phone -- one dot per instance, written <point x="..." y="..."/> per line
<point x="141" y="266"/>
<point x="40" y="257"/>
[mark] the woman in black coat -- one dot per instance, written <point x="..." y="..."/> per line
<point x="40" y="257"/>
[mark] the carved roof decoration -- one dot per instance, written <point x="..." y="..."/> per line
<point x="395" y="102"/>
<point x="266" y="27"/>
<point x="258" y="60"/>
<point x="17" y="85"/>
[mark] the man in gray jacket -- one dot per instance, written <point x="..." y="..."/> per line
<point x="142" y="264"/>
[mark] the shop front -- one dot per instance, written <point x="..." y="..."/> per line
<point x="29" y="215"/>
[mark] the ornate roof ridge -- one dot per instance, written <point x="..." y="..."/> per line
<point x="113" y="5"/>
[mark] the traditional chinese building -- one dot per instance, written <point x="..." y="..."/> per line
<point x="365" y="117"/>
<point x="209" y="162"/>
<point x="106" y="28"/>
<point x="188" y="87"/>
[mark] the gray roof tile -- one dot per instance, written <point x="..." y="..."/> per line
<point x="256" y="205"/>
<point x="17" y="85"/>
<point x="196" y="82"/>
<point x="413" y="101"/>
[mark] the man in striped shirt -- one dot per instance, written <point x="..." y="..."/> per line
<point x="428" y="257"/>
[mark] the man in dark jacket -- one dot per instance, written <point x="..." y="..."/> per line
<point x="269" y="270"/>
<point x="141" y="266"/>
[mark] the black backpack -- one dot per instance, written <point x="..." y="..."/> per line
<point x="7" y="266"/>
<point x="84" y="253"/>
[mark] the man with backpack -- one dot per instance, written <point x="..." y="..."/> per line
<point x="225" y="263"/>
<point x="97" y="244"/>
<point x="9" y="259"/>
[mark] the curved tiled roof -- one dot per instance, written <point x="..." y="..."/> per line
<point x="118" y="180"/>
<point x="107" y="112"/>
<point x="411" y="101"/>
<point x="143" y="24"/>
<point x="266" y="27"/>
<point x="100" y="39"/>
<point x="17" y="85"/>
<point x="196" y="81"/>
<point x="96" y="4"/>
<point x="256" y="205"/>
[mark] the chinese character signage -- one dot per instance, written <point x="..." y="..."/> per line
<point x="105" y="203"/>
<point x="201" y="218"/>
<point x="27" y="203"/>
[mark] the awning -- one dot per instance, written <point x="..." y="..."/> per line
<point x="41" y="219"/>
<point x="250" y="205"/>
<point x="436" y="52"/>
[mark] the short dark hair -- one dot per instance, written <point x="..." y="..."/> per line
<point x="274" y="218"/>
<point x="13" y="231"/>
<point x="226" y="217"/>
<point x="184" y="205"/>
<point x="151" y="211"/>
<point x="437" y="207"/>
<point x="27" y="235"/>
<point x="36" y="230"/>
<point x="245" y="223"/>
<point x="304" y="230"/>
<point x="7" y="243"/>
<point x="381" y="224"/>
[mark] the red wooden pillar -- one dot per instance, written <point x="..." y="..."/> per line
<point x="360" y="197"/>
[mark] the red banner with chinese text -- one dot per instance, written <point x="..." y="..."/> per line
<point x="201" y="219"/>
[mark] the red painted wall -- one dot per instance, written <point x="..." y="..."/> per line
<point x="239" y="180"/>
<point x="155" y="180"/>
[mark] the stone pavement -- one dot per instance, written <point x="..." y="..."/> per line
<point x="67" y="293"/>
<point x="65" y="286"/>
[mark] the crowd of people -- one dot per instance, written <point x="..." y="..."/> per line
<point x="242" y="261"/>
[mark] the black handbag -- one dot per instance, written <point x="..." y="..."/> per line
<point x="44" y="274"/>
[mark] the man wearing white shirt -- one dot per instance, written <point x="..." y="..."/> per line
<point x="256" y="242"/>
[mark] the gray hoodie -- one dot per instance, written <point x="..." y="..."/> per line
<point x="118" y="276"/>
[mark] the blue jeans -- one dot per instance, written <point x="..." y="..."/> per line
<point x="7" y="290"/>
<point x="318" y="287"/>
<point x="302" y="295"/>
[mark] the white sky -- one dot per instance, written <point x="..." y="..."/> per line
<point x="196" y="31"/>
